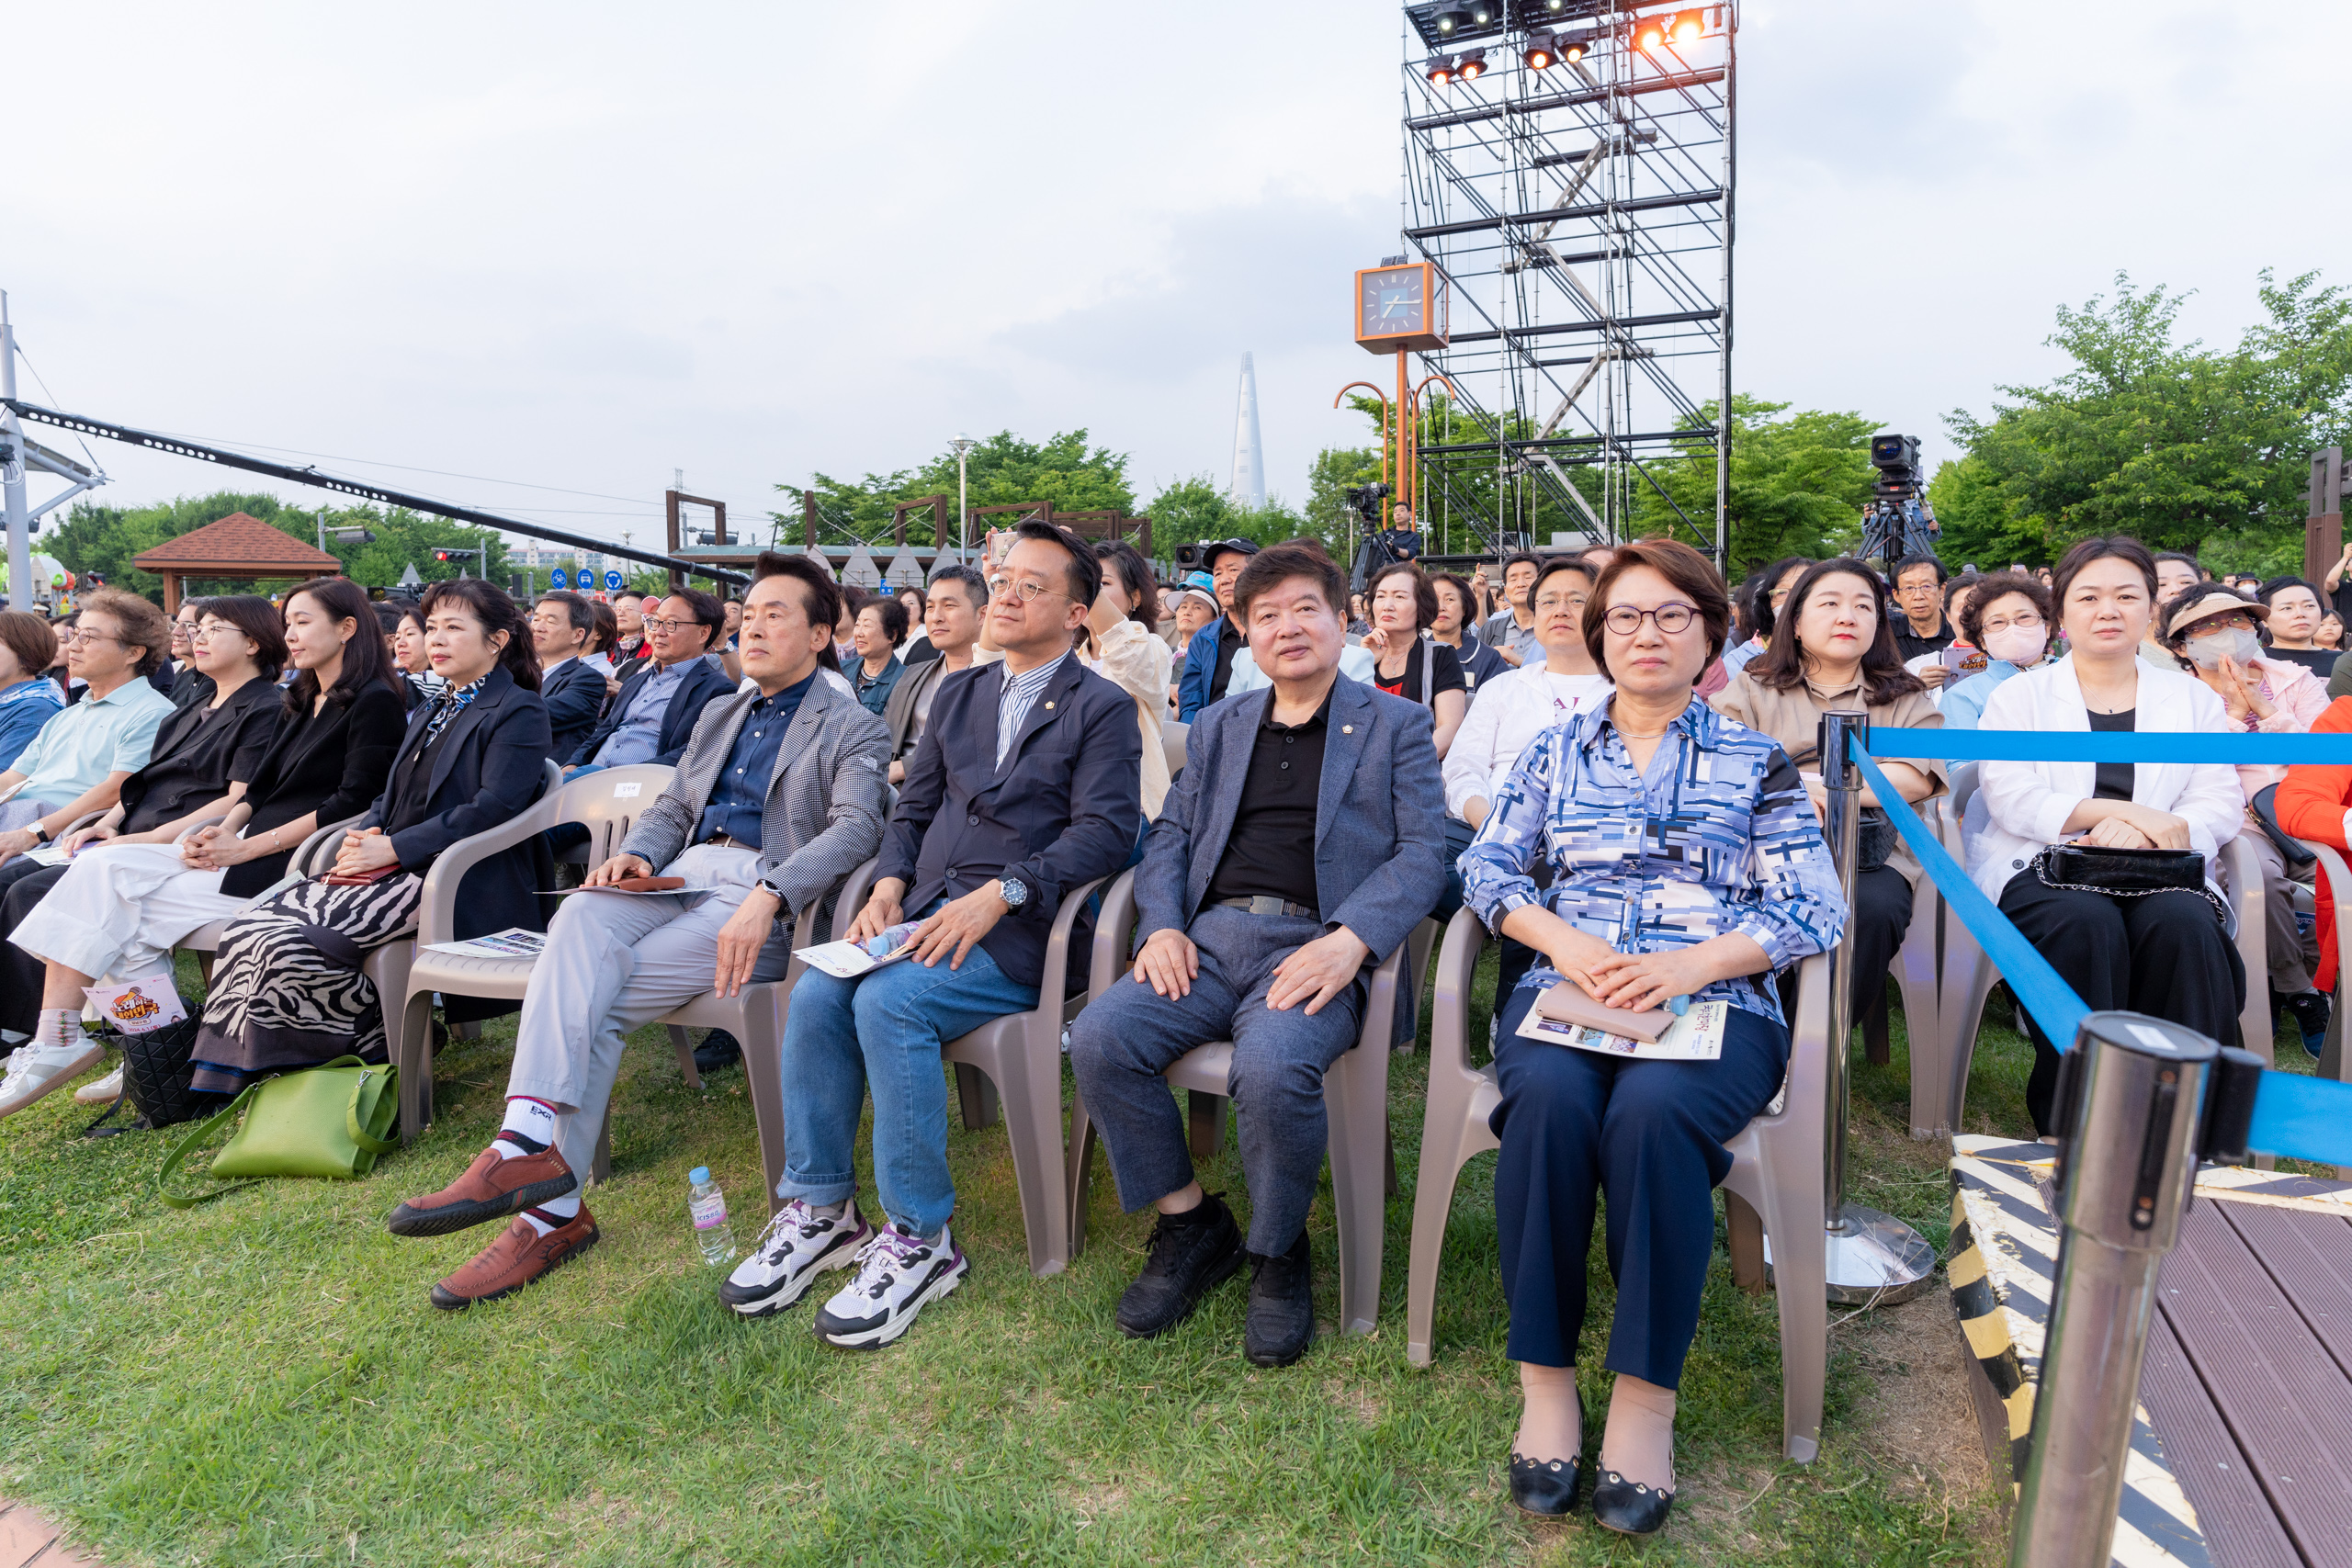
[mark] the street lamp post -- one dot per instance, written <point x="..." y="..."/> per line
<point x="962" y="501"/>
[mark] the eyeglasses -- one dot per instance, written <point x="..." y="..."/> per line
<point x="1552" y="603"/>
<point x="1000" y="586"/>
<point x="1671" y="616"/>
<point x="663" y="624"/>
<point x="2024" y="620"/>
<point x="77" y="638"/>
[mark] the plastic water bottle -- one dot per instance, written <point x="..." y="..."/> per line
<point x="708" y="1204"/>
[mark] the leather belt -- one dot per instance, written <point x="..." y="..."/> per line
<point x="726" y="842"/>
<point x="1264" y="905"/>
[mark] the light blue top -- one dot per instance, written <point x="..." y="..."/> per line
<point x="1963" y="705"/>
<point x="1737" y="658"/>
<point x="638" y="735"/>
<point x="24" y="708"/>
<point x="78" y="748"/>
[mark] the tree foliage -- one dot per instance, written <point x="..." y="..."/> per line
<point x="105" y="538"/>
<point x="2185" y="447"/>
<point x="1798" y="482"/>
<point x="1198" y="508"/>
<point x="1002" y="471"/>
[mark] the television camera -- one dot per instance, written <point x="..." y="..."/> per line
<point x="1898" y="521"/>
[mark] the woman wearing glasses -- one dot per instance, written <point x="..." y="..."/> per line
<point x="1832" y="650"/>
<point x="2008" y="616"/>
<point x="1731" y="882"/>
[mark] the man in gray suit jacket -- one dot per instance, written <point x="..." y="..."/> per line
<point x="777" y="798"/>
<point x="1302" y="843"/>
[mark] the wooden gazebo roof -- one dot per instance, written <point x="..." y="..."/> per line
<point x="239" y="544"/>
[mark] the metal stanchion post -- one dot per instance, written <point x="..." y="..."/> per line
<point x="2129" y="1105"/>
<point x="1873" y="1256"/>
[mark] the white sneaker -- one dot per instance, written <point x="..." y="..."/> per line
<point x="799" y="1245"/>
<point x="897" y="1274"/>
<point x="34" y="1070"/>
<point x="101" y="1091"/>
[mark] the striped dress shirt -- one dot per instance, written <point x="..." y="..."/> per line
<point x="1014" y="703"/>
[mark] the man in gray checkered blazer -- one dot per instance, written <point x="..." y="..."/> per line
<point x="779" y="796"/>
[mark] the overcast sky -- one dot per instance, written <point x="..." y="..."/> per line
<point x="582" y="245"/>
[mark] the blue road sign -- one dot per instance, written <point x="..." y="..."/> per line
<point x="556" y="579"/>
<point x="612" y="583"/>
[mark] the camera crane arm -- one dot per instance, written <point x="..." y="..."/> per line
<point x="311" y="476"/>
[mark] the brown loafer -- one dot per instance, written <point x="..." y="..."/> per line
<point x="519" y="1256"/>
<point x="491" y="1189"/>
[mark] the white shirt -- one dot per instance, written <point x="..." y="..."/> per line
<point x="1512" y="709"/>
<point x="1355" y="663"/>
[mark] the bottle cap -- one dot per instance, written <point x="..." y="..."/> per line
<point x="699" y="1173"/>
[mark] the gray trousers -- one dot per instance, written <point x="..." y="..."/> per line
<point x="1123" y="1042"/>
<point x="2292" y="955"/>
<point x="614" y="964"/>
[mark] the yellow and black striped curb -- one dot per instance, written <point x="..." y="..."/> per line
<point x="2004" y="1261"/>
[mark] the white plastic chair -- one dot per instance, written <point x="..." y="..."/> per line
<point x="1774" y="1189"/>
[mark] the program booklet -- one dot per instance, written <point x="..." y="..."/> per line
<point x="1696" y="1036"/>
<point x="848" y="959"/>
<point x="511" y="942"/>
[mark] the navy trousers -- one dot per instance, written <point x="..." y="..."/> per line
<point x="1125" y="1041"/>
<point x="1576" y="1125"/>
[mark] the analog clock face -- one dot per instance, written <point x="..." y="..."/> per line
<point x="1393" y="303"/>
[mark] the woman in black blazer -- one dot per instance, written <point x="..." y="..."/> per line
<point x="288" y="991"/>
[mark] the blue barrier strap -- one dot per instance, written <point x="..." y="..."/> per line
<point x="2083" y="746"/>
<point x="2294" y="1116"/>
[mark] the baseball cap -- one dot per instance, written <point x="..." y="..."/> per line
<point x="1200" y="579"/>
<point x="1208" y="556"/>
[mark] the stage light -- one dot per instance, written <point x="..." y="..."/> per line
<point x="1440" y="69"/>
<point x="1482" y="12"/>
<point x="1450" y="22"/>
<point x="1650" y="36"/>
<point x="1542" y="52"/>
<point x="1473" y="64"/>
<point x="1556" y="7"/>
<point x="1688" y="29"/>
<point x="1573" y="49"/>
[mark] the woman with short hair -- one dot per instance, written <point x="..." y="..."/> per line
<point x="2166" y="952"/>
<point x="1750" y="890"/>
<point x="1456" y="626"/>
<point x="1407" y="661"/>
<point x="26" y="702"/>
<point x="2008" y="616"/>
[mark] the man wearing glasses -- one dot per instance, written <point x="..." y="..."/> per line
<point x="1027" y="784"/>
<point x="76" y="764"/>
<point x="655" y="713"/>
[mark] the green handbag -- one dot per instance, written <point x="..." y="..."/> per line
<point x="328" y="1121"/>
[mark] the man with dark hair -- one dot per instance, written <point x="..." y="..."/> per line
<point x="1208" y="661"/>
<point x="562" y="625"/>
<point x="1026" y="786"/>
<point x="1510" y="630"/>
<point x="1923" y="627"/>
<point x="958" y="598"/>
<point x="1301" y="844"/>
<point x="654" y="715"/>
<point x="777" y="798"/>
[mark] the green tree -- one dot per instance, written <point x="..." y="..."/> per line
<point x="1194" y="509"/>
<point x="105" y="538"/>
<point x="1002" y="471"/>
<point x="1798" y="482"/>
<point x="2186" y="448"/>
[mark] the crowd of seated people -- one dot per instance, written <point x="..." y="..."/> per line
<point x="995" y="740"/>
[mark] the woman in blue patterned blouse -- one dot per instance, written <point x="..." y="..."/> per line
<point x="1686" y="862"/>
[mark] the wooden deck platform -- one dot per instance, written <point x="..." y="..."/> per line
<point x="2242" y="1453"/>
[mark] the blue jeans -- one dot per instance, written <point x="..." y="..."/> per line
<point x="884" y="1029"/>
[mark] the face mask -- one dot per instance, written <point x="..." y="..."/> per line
<point x="2021" y="645"/>
<point x="2240" y="645"/>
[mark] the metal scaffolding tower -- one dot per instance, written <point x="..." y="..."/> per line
<point x="1569" y="169"/>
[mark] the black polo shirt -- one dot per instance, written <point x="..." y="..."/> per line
<point x="1270" y="852"/>
<point x="1228" y="643"/>
<point x="1908" y="644"/>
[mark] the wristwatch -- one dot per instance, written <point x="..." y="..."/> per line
<point x="40" y="833"/>
<point x="1013" y="891"/>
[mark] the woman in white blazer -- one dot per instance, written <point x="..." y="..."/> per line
<point x="2162" y="953"/>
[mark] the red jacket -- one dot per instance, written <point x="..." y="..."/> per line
<point x="2310" y="803"/>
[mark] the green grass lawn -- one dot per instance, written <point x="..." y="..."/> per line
<point x="261" y="1381"/>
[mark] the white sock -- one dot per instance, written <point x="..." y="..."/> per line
<point x="555" y="1213"/>
<point x="830" y="1210"/>
<point x="535" y="1119"/>
<point x="61" y="1026"/>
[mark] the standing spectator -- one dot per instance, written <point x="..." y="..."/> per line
<point x="2166" y="953"/>
<point x="959" y="597"/>
<point x="286" y="992"/>
<point x="1511" y="631"/>
<point x="1208" y="658"/>
<point x="2009" y="615"/>
<point x="1772" y="593"/>
<point x="1410" y="663"/>
<point x="1652" y="765"/>
<point x="658" y="706"/>
<point x="2291" y="635"/>
<point x="1456" y="615"/>
<point x="881" y="626"/>
<point x="1300" y="849"/>
<point x="79" y="761"/>
<point x="1833" y="650"/>
<point x="1125" y="652"/>
<point x="27" y="647"/>
<point x="563" y="633"/>
<point x="1024" y="787"/>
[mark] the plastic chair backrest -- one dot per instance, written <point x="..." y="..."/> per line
<point x="608" y="803"/>
<point x="1171" y="741"/>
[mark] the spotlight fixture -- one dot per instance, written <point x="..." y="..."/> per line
<point x="1689" y="25"/>
<point x="1451" y="21"/>
<point x="1573" y="49"/>
<point x="1556" y="7"/>
<point x="1482" y="12"/>
<point x="1542" y="52"/>
<point x="1473" y="64"/>
<point x="1440" y="69"/>
<point x="1650" y="35"/>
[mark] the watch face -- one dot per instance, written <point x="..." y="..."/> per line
<point x="1394" y="301"/>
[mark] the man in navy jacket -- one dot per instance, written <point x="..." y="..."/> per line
<point x="1302" y="843"/>
<point x="1026" y="785"/>
<point x="562" y="627"/>
<point x="654" y="715"/>
<point x="1208" y="658"/>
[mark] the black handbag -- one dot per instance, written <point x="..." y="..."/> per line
<point x="156" y="1070"/>
<point x="1873" y="838"/>
<point x="2125" y="874"/>
<point x="2266" y="811"/>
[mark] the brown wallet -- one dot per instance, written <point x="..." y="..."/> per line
<point x="1567" y="1003"/>
<point x="644" y="885"/>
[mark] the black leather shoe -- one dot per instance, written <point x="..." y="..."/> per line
<point x="1546" y="1488"/>
<point x="1280" y="1324"/>
<point x="1628" y="1506"/>
<point x="718" y="1051"/>
<point x="1189" y="1256"/>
